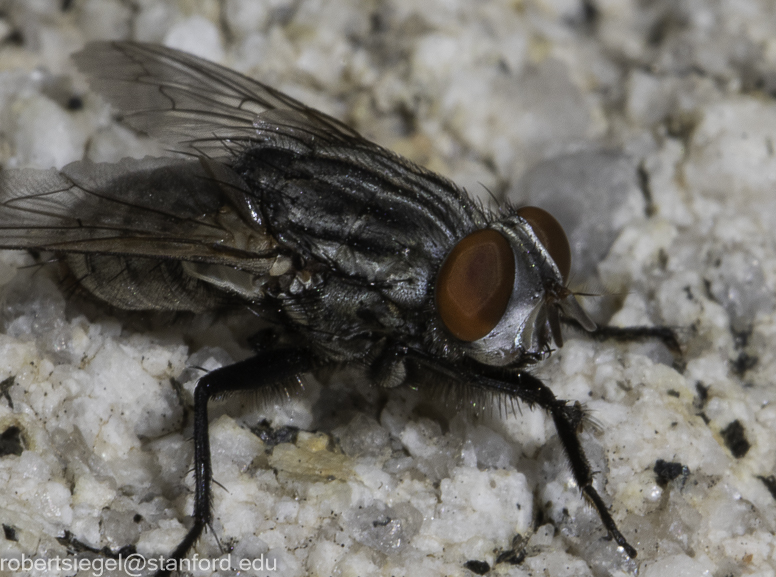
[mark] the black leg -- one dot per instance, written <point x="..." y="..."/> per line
<point x="567" y="417"/>
<point x="267" y="370"/>
<point x="665" y="335"/>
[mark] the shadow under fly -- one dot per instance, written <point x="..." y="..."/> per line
<point x="355" y="254"/>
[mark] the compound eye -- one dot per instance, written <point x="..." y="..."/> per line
<point x="551" y="235"/>
<point x="475" y="283"/>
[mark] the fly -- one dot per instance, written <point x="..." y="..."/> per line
<point x="359" y="255"/>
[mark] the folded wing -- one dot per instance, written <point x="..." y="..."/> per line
<point x="153" y="207"/>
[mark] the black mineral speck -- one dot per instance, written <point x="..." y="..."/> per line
<point x="10" y="533"/>
<point x="4" y="388"/>
<point x="75" y="546"/>
<point x="15" y="38"/>
<point x="735" y="439"/>
<point x="666" y="471"/>
<point x="590" y="12"/>
<point x="744" y="363"/>
<point x="511" y="557"/>
<point x="770" y="484"/>
<point x="11" y="442"/>
<point x="701" y="395"/>
<point x="381" y="522"/>
<point x="271" y="437"/>
<point x="75" y="103"/>
<point x="477" y="567"/>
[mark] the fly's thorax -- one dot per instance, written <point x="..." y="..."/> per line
<point x="499" y="291"/>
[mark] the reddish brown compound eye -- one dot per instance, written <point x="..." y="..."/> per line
<point x="475" y="283"/>
<point x="551" y="235"/>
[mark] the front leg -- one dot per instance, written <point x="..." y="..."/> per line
<point x="567" y="418"/>
<point x="517" y="384"/>
<point x="267" y="373"/>
<point x="665" y="335"/>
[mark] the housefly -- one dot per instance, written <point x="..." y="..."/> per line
<point x="359" y="255"/>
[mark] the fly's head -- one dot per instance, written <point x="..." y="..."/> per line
<point x="500" y="291"/>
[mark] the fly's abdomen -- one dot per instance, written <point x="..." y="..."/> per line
<point x="133" y="283"/>
<point x="149" y="234"/>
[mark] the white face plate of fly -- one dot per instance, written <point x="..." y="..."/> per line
<point x="538" y="295"/>
<point x="517" y="332"/>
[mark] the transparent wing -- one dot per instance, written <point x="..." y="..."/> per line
<point x="154" y="207"/>
<point x="197" y="106"/>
